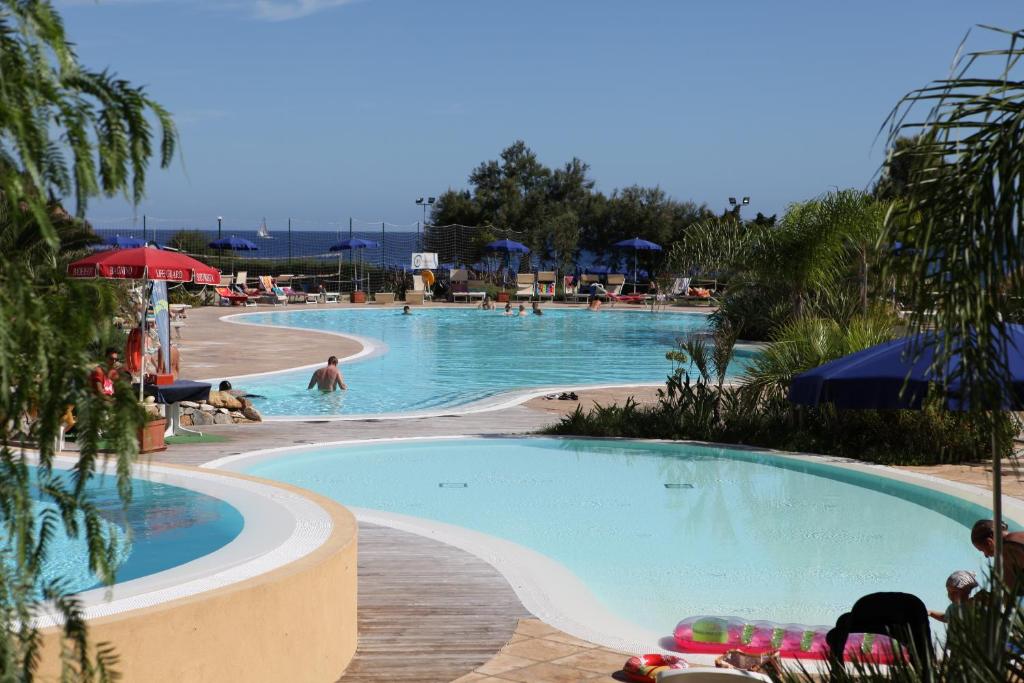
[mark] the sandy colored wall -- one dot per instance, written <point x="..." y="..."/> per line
<point x="296" y="623"/>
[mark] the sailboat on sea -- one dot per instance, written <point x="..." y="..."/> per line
<point x="264" y="232"/>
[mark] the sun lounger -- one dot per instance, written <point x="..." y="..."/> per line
<point x="419" y="286"/>
<point x="615" y="283"/>
<point x="572" y="289"/>
<point x="527" y="285"/>
<point x="229" y="297"/>
<point x="710" y="675"/>
<point x="546" y="285"/>
<point x="294" y="296"/>
<point x="461" y="286"/>
<point x="271" y="293"/>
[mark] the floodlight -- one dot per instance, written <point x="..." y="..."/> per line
<point x="432" y="200"/>
<point x="746" y="200"/>
<point x="732" y="200"/>
<point x="420" y="200"/>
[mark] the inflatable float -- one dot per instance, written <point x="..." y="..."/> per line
<point x="716" y="635"/>
<point x="645" y="668"/>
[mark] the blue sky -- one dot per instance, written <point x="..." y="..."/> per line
<point x="325" y="109"/>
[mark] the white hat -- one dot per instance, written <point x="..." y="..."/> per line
<point x="961" y="579"/>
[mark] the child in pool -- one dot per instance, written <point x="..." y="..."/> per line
<point x="959" y="586"/>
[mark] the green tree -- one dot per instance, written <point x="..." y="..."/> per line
<point x="68" y="134"/>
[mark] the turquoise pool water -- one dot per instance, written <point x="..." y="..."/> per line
<point x="447" y="357"/>
<point x="743" y="534"/>
<point x="163" y="527"/>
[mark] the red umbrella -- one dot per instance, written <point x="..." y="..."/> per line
<point x="145" y="263"/>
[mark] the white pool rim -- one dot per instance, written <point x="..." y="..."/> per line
<point x="547" y="588"/>
<point x="280" y="527"/>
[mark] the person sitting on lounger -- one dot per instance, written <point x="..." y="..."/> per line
<point x="327" y="378"/>
<point x="103" y="376"/>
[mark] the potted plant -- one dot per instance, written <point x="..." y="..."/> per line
<point x="358" y="297"/>
<point x="151" y="434"/>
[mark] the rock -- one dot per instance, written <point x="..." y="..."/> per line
<point x="237" y="413"/>
<point x="222" y="399"/>
<point x="200" y="418"/>
<point x="207" y="408"/>
<point x="185" y="420"/>
<point x="223" y="411"/>
<point x="188" y="404"/>
<point x="252" y="414"/>
<point x="222" y="419"/>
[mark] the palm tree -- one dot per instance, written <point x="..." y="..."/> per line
<point x="67" y="134"/>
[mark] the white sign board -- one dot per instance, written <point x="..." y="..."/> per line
<point x="424" y="260"/>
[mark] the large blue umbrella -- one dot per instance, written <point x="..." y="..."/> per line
<point x="510" y="246"/>
<point x="233" y="243"/>
<point x="351" y="244"/>
<point x="637" y="244"/>
<point x="898" y="374"/>
<point x="120" y="242"/>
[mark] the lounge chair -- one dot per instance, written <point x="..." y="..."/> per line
<point x="615" y="283"/>
<point x="527" y="285"/>
<point x="294" y="296"/>
<point x="546" y="285"/>
<point x="229" y="297"/>
<point x="419" y="286"/>
<point x="572" y="289"/>
<point x="271" y="293"/>
<point x="461" y="286"/>
<point x="477" y="289"/>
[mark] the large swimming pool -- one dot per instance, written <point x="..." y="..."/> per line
<point x="164" y="526"/>
<point x="659" y="532"/>
<point x="446" y="357"/>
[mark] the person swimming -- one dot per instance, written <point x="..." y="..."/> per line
<point x="406" y="310"/>
<point x="522" y="310"/>
<point x="508" y="308"/>
<point x="537" y="309"/>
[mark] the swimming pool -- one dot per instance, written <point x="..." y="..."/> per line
<point x="658" y="532"/>
<point x="164" y="526"/>
<point x="445" y="357"/>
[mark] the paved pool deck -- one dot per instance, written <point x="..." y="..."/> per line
<point x="427" y="611"/>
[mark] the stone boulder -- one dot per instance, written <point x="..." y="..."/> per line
<point x="222" y="399"/>
<point x="252" y="414"/>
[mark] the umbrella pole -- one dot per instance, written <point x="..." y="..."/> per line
<point x="634" y="271"/>
<point x="997" y="505"/>
<point x="142" y="344"/>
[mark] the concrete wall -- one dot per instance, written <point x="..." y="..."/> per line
<point x="296" y="623"/>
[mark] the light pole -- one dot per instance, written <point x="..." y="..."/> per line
<point x="740" y="204"/>
<point x="429" y="201"/>
<point x="220" y="220"/>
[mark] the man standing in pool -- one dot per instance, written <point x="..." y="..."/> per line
<point x="327" y="378"/>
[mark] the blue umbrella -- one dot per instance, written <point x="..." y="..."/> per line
<point x="233" y="243"/>
<point x="510" y="246"/>
<point x="351" y="244"/>
<point x="124" y="242"/>
<point x="637" y="244"/>
<point x="354" y="243"/>
<point x="897" y="375"/>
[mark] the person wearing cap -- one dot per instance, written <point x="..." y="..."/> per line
<point x="959" y="587"/>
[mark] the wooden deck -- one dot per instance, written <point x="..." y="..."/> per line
<point x="427" y="611"/>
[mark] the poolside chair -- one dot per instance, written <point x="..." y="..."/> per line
<point x="459" y="279"/>
<point x="572" y="289"/>
<point x="294" y="296"/>
<point x="477" y="289"/>
<point x="271" y="293"/>
<point x="615" y="283"/>
<point x="419" y="286"/>
<point x="586" y="281"/>
<point x="546" y="285"/>
<point x="526" y="284"/>
<point x="229" y="297"/>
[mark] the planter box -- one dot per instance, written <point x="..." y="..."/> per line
<point x="384" y="298"/>
<point x="414" y="298"/>
<point x="151" y="436"/>
<point x="358" y="297"/>
<point x="502" y="297"/>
